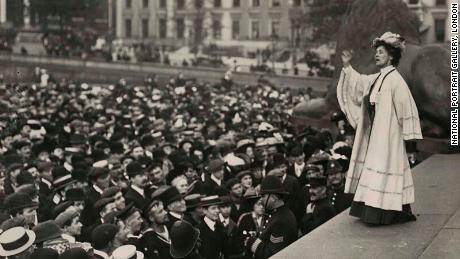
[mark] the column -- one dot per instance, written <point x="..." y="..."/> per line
<point x="226" y="23"/>
<point x="119" y="18"/>
<point x="208" y="21"/>
<point x="2" y="11"/>
<point x="170" y="19"/>
<point x="26" y="12"/>
<point x="110" y="17"/>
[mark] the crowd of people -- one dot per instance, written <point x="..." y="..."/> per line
<point x="181" y="169"/>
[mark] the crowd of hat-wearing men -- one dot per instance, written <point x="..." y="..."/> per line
<point x="174" y="170"/>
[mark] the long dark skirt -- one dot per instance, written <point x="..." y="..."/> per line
<point x="378" y="216"/>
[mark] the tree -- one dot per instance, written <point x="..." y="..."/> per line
<point x="323" y="18"/>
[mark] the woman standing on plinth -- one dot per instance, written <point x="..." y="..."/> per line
<point x="381" y="109"/>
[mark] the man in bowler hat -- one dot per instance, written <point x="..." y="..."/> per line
<point x="136" y="193"/>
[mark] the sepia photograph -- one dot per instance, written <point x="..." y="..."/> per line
<point x="229" y="129"/>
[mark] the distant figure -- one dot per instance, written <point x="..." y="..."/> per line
<point x="24" y="51"/>
<point x="184" y="63"/>
<point x="296" y="71"/>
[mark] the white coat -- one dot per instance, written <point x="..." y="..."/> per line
<point x="379" y="172"/>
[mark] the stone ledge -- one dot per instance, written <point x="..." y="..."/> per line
<point x="436" y="205"/>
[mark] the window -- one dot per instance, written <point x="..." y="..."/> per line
<point x="217" y="3"/>
<point x="413" y="1"/>
<point x="255" y="29"/>
<point x="163" y="28"/>
<point x="255" y="3"/>
<point x="198" y="4"/>
<point x="180" y="4"/>
<point x="128" y="3"/>
<point x="297" y="2"/>
<point x="440" y="29"/>
<point x="128" y="28"/>
<point x="235" y="30"/>
<point x="162" y="4"/>
<point x="276" y="3"/>
<point x="145" y="28"/>
<point x="236" y="3"/>
<point x="145" y="3"/>
<point x="275" y="28"/>
<point x="440" y="2"/>
<point x="180" y="28"/>
<point x="216" y="29"/>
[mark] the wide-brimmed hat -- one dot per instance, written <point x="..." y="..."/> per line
<point x="193" y="200"/>
<point x="272" y="185"/>
<point x="170" y="195"/>
<point x="183" y="239"/>
<point x="127" y="252"/>
<point x="66" y="216"/>
<point x="243" y="173"/>
<point x="103" y="234"/>
<point x="210" y="201"/>
<point x="244" y="143"/>
<point x="392" y="39"/>
<point x="17" y="201"/>
<point x="15" y="240"/>
<point x="215" y="165"/>
<point x="47" y="230"/>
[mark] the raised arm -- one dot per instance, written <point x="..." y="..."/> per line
<point x="351" y="88"/>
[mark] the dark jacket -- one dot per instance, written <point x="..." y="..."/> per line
<point x="210" y="187"/>
<point x="154" y="246"/>
<point x="302" y="179"/>
<point x="89" y="215"/>
<point x="172" y="220"/>
<point x="292" y="200"/>
<point x="136" y="198"/>
<point x="234" y="248"/>
<point x="322" y="212"/>
<point x="213" y="242"/>
<point x="249" y="226"/>
<point x="280" y="231"/>
<point x="340" y="200"/>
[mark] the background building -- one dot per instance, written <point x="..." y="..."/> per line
<point x="435" y="18"/>
<point x="249" y="23"/>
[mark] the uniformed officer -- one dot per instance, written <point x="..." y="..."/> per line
<point x="281" y="227"/>
<point x="320" y="209"/>
<point x="335" y="177"/>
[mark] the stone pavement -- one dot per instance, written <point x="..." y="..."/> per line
<point x="435" y="234"/>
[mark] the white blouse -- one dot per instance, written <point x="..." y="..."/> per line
<point x="383" y="72"/>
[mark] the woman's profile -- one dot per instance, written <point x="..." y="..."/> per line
<point x="382" y="110"/>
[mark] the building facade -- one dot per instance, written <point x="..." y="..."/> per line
<point x="435" y="18"/>
<point x="223" y="22"/>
